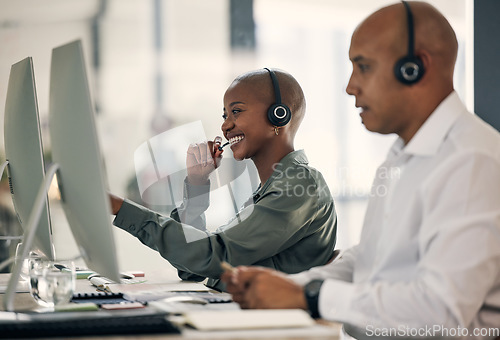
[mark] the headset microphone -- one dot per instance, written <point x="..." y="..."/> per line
<point x="278" y="114"/>
<point x="221" y="147"/>
<point x="410" y="68"/>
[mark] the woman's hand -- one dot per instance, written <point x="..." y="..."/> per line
<point x="116" y="203"/>
<point x="202" y="159"/>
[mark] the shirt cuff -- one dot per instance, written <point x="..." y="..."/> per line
<point x="336" y="302"/>
<point x="130" y="217"/>
<point x="196" y="200"/>
<point x="301" y="278"/>
<point x="191" y="191"/>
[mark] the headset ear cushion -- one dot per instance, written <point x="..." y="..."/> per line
<point x="279" y="114"/>
<point x="409" y="70"/>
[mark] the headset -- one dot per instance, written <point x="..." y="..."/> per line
<point x="278" y="114"/>
<point x="409" y="69"/>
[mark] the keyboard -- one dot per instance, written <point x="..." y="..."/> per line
<point x="99" y="298"/>
<point x="88" y="325"/>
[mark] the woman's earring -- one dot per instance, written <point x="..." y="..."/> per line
<point x="276" y="130"/>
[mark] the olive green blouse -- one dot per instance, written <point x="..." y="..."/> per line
<point x="289" y="224"/>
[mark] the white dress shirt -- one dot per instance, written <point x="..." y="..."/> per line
<point x="429" y="253"/>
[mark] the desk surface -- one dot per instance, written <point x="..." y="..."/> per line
<point x="323" y="330"/>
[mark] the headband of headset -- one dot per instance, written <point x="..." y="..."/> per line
<point x="410" y="68"/>
<point x="278" y="114"/>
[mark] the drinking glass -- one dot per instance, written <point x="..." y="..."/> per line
<point x="51" y="282"/>
<point x="24" y="275"/>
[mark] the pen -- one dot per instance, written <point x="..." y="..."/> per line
<point x="227" y="267"/>
<point x="232" y="270"/>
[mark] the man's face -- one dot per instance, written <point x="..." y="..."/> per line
<point x="378" y="93"/>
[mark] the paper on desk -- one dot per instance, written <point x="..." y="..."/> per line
<point x="211" y="320"/>
<point x="314" y="332"/>
<point x="151" y="292"/>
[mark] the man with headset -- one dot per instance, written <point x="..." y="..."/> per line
<point x="428" y="262"/>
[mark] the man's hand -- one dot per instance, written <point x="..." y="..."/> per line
<point x="200" y="160"/>
<point x="263" y="288"/>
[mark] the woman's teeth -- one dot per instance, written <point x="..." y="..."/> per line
<point x="235" y="139"/>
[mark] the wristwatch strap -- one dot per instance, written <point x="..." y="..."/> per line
<point x="311" y="292"/>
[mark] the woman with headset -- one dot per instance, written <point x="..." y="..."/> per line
<point x="288" y="224"/>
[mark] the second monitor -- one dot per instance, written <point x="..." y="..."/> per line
<point x="75" y="148"/>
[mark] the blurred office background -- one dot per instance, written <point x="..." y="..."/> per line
<point x="158" y="64"/>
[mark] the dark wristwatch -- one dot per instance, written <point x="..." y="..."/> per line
<point x="311" y="292"/>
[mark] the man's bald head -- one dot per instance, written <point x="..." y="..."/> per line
<point x="259" y="81"/>
<point x="432" y="33"/>
<point x="376" y="46"/>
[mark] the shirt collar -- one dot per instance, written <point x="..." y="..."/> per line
<point x="430" y="136"/>
<point x="293" y="158"/>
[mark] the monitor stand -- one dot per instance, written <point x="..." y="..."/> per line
<point x="29" y="235"/>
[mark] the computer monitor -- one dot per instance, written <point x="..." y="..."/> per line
<point x="75" y="148"/>
<point x="26" y="172"/>
<point x="24" y="152"/>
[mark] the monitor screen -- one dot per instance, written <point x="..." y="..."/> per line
<point x="75" y="148"/>
<point x="24" y="152"/>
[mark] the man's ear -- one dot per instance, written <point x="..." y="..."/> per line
<point x="427" y="61"/>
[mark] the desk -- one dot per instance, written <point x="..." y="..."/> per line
<point x="324" y="330"/>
